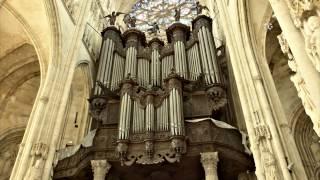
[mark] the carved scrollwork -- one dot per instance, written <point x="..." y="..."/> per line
<point x="141" y="95"/>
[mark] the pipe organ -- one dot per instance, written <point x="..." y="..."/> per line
<point x="151" y="100"/>
<point x="151" y="79"/>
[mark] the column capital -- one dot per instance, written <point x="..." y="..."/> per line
<point x="100" y="168"/>
<point x="209" y="161"/>
<point x="209" y="158"/>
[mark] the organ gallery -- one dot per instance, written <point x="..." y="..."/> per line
<point x="160" y="110"/>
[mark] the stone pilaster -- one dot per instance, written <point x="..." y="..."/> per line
<point x="100" y="169"/>
<point x="209" y="161"/>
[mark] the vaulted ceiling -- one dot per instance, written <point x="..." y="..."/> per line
<point x="19" y="73"/>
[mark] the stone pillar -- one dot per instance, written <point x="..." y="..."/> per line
<point x="310" y="78"/>
<point x="100" y="169"/>
<point x="253" y="97"/>
<point x="209" y="161"/>
<point x="35" y="159"/>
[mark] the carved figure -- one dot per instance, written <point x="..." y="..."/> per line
<point x="113" y="17"/>
<point x="177" y="14"/>
<point x="270" y="165"/>
<point x="313" y="39"/>
<point x="200" y="7"/>
<point x="217" y="97"/>
<point x="130" y="21"/>
<point x="149" y="149"/>
<point x="122" y="150"/>
<point x="315" y="147"/>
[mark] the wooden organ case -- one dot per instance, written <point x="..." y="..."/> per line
<point x="154" y="107"/>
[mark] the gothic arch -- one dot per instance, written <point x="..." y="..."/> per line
<point x="77" y="121"/>
<point x="307" y="142"/>
<point x="9" y="147"/>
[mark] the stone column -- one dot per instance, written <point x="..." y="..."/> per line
<point x="100" y="169"/>
<point x="209" y="161"/>
<point x="309" y="75"/>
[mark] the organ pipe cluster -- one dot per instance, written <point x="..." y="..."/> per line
<point x="149" y="78"/>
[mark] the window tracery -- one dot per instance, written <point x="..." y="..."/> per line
<point x="162" y="12"/>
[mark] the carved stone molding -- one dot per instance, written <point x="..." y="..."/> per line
<point x="262" y="132"/>
<point x="40" y="149"/>
<point x="305" y="15"/>
<point x="299" y="83"/>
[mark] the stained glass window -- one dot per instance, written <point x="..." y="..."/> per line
<point x="162" y="12"/>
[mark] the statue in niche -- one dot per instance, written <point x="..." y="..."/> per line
<point x="130" y="21"/>
<point x="6" y="163"/>
<point x="312" y="28"/>
<point x="35" y="171"/>
<point x="200" y="7"/>
<point x="269" y="160"/>
<point x="7" y="159"/>
<point x="113" y="17"/>
<point x="315" y="148"/>
<point x="177" y="14"/>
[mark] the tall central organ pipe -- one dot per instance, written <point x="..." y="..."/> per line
<point x="156" y="45"/>
<point x="179" y="33"/>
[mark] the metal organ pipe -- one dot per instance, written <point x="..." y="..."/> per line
<point x="177" y="58"/>
<point x="109" y="64"/>
<point x="214" y="58"/>
<point x="209" y="55"/>
<point x="138" y="118"/>
<point x="97" y="88"/>
<point x="150" y="118"/>
<point x="197" y="59"/>
<point x="204" y="58"/>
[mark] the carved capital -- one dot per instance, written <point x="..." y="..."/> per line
<point x="209" y="161"/>
<point x="100" y="168"/>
